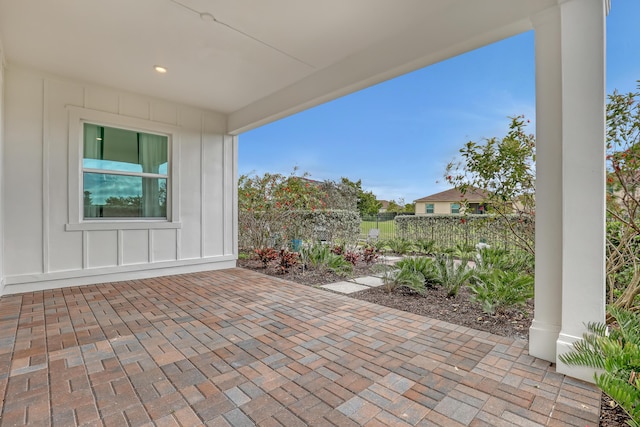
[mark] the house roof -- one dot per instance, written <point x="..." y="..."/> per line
<point x="254" y="61"/>
<point x="454" y="195"/>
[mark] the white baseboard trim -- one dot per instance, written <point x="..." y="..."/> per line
<point x="65" y="279"/>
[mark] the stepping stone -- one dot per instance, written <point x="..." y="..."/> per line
<point x="345" y="287"/>
<point x="369" y="281"/>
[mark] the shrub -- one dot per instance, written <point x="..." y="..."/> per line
<point x="425" y="247"/>
<point x="286" y="260"/>
<point x="399" y="246"/>
<point x="369" y="254"/>
<point x="496" y="258"/>
<point x="498" y="290"/>
<point x="351" y="257"/>
<point x="320" y="256"/>
<point x="266" y="255"/>
<point x="451" y="274"/>
<point x="423" y="265"/>
<point x="616" y="351"/>
<point x="394" y="278"/>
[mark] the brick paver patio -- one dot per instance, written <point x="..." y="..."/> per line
<point x="238" y="348"/>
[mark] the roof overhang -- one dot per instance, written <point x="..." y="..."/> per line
<point x="254" y="60"/>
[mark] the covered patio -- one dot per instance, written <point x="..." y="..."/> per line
<point x="237" y="348"/>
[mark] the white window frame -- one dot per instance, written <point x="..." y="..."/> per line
<point x="426" y="208"/>
<point x="459" y="205"/>
<point x="76" y="221"/>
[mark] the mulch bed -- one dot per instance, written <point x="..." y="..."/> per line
<point x="435" y="304"/>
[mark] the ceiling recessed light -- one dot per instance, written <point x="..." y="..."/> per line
<point x="160" y="69"/>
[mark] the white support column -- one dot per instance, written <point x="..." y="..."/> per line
<point x="545" y="328"/>
<point x="583" y="172"/>
<point x="570" y="177"/>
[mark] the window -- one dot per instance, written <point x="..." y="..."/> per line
<point x="428" y="208"/>
<point x="455" y="208"/>
<point x="124" y="173"/>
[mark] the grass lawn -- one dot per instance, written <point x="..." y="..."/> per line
<point x="387" y="229"/>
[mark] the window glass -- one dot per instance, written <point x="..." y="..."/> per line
<point x="125" y="173"/>
<point x="123" y="150"/>
<point x="429" y="208"/>
<point x="455" y="208"/>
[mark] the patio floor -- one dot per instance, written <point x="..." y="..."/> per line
<point x="239" y="348"/>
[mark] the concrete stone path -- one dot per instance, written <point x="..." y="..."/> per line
<point x="237" y="348"/>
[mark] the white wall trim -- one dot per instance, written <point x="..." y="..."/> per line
<point x="76" y="116"/>
<point x="37" y="282"/>
<point x="203" y="212"/>
<point x="122" y="225"/>
<point x="46" y="211"/>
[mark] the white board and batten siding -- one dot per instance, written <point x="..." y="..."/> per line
<point x="48" y="245"/>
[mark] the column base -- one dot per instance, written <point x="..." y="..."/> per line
<point x="565" y="345"/>
<point x="542" y="340"/>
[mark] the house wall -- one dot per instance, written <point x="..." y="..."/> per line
<point x="439" y="208"/>
<point x="45" y="249"/>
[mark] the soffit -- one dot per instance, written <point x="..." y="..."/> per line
<point x="259" y="59"/>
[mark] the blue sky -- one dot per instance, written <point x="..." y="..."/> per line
<point x="398" y="136"/>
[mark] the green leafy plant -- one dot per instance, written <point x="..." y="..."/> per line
<point x="425" y="247"/>
<point x="499" y="290"/>
<point x="394" y="277"/>
<point x="423" y="265"/>
<point x="451" y="274"/>
<point x="320" y="256"/>
<point x="399" y="246"/>
<point x="615" y="351"/>
<point x="488" y="259"/>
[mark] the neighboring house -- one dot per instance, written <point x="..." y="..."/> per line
<point x="452" y="202"/>
<point x="115" y="168"/>
<point x="384" y="205"/>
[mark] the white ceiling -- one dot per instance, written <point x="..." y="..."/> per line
<point x="260" y="59"/>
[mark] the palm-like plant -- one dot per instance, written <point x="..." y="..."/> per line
<point x="395" y="277"/>
<point x="497" y="290"/>
<point x="616" y="352"/>
<point x="451" y="274"/>
<point x="321" y="257"/>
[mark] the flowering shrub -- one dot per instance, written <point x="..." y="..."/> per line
<point x="286" y="260"/>
<point x="352" y="257"/>
<point x="369" y="254"/>
<point x="266" y="255"/>
<point x="273" y="209"/>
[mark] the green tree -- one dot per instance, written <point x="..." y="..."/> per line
<point x="505" y="169"/>
<point x="367" y="204"/>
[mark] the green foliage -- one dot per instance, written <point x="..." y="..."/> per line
<point x="398" y="246"/>
<point x="447" y="231"/>
<point x="505" y="169"/>
<point x="498" y="290"/>
<point x="321" y="257"/>
<point x="423" y="265"/>
<point x="425" y="246"/>
<point x="395" y="277"/>
<point x="489" y="259"/>
<point x="367" y="204"/>
<point x="616" y="352"/>
<point x="451" y="274"/>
